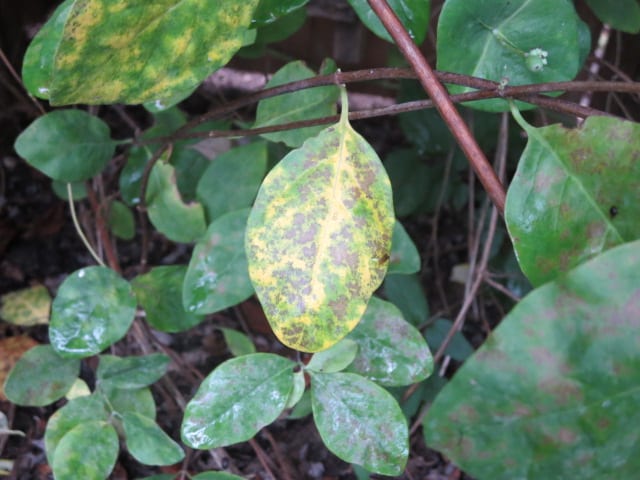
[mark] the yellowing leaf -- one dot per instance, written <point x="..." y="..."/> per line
<point x="26" y="307"/>
<point x="319" y="236"/>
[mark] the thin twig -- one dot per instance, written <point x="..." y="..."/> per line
<point x="16" y="77"/>
<point x="76" y="224"/>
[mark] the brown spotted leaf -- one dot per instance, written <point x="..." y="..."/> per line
<point x="319" y="236"/>
<point x="553" y="393"/>
<point x="574" y="195"/>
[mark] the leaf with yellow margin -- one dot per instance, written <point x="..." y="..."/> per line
<point x="319" y="236"/>
<point x="136" y="51"/>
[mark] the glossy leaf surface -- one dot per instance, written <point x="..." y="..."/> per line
<point x="217" y="277"/>
<point x="231" y="404"/>
<point x="96" y="458"/>
<point x="404" y="254"/>
<point x="26" y="307"/>
<point x="574" y="195"/>
<point x="41" y="377"/>
<point x="391" y="351"/>
<point x="335" y="358"/>
<point x="66" y="145"/>
<point x="94" y="308"/>
<point x="360" y="422"/>
<point x="553" y="393"/>
<point x="232" y="179"/>
<point x="131" y="372"/>
<point x="500" y="40"/>
<point x="622" y="14"/>
<point x="159" y="291"/>
<point x="413" y="14"/>
<point x="134" y="51"/>
<point x="301" y="105"/>
<point x="147" y="443"/>
<point x="319" y="237"/>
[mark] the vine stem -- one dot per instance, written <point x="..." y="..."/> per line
<point x="76" y="224"/>
<point x="443" y="103"/>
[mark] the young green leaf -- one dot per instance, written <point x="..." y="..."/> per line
<point x="112" y="52"/>
<point x="66" y="145"/>
<point x="360" y="422"/>
<point x="298" y="390"/>
<point x="120" y="400"/>
<point x="159" y="292"/>
<point x="232" y="180"/>
<point x="177" y="220"/>
<point x="495" y="40"/>
<point x="391" y="351"/>
<point x="404" y="254"/>
<point x="335" y="358"/>
<point x="237" y="399"/>
<point x="413" y="14"/>
<point x="147" y="443"/>
<point x="121" y="221"/>
<point x="553" y="393"/>
<point x="302" y="105"/>
<point x="27" y="307"/>
<point x="131" y="372"/>
<point x="89" y="451"/>
<point x="319" y="236"/>
<point x="41" y="377"/>
<point x="94" y="308"/>
<point x="237" y="342"/>
<point x="77" y="412"/>
<point x="217" y="277"/>
<point x="574" y="195"/>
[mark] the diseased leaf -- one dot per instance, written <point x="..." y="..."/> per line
<point x="94" y="308"/>
<point x="12" y="348"/>
<point x="574" y="195"/>
<point x="66" y="145"/>
<point x="413" y="14"/>
<point x="133" y="51"/>
<point x="159" y="291"/>
<point x="301" y="105"/>
<point x="503" y="40"/>
<point x="94" y="460"/>
<point x="41" y="377"/>
<point x="131" y="372"/>
<point x="217" y="277"/>
<point x="230" y="407"/>
<point x="147" y="443"/>
<point x="319" y="236"/>
<point x="553" y="392"/>
<point x="177" y="220"/>
<point x="360" y="422"/>
<point x="391" y="351"/>
<point x="26" y="307"/>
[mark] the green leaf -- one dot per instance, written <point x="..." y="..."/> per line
<point x="413" y="14"/>
<point x="553" y="393"/>
<point x="121" y="400"/>
<point x="147" y="442"/>
<point x="37" y="65"/>
<point x="360" y="422"/>
<point x="217" y="476"/>
<point x="232" y="180"/>
<point x="177" y="220"/>
<point x="66" y="145"/>
<point x="78" y="190"/>
<point x="459" y="348"/>
<point x="291" y="107"/>
<point x="190" y="164"/>
<point x="404" y="254"/>
<point x="237" y="342"/>
<point x="159" y="292"/>
<point x="524" y="41"/>
<point x="335" y="358"/>
<point x="319" y="237"/>
<point x="411" y="180"/>
<point x="217" y="277"/>
<point x="26" y="307"/>
<point x="269" y="11"/>
<point x="40" y="377"/>
<point x="391" y="351"/>
<point x="280" y="29"/>
<point x="622" y="15"/>
<point x="302" y="409"/>
<point x="574" y="195"/>
<point x="94" y="309"/>
<point x="237" y="399"/>
<point x="89" y="451"/>
<point x="406" y="293"/>
<point x="135" y="52"/>
<point x="298" y="390"/>
<point x="77" y="412"/>
<point x="131" y="372"/>
<point x="121" y="221"/>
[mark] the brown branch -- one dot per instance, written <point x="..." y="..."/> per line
<point x="443" y="103"/>
<point x="101" y="225"/>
